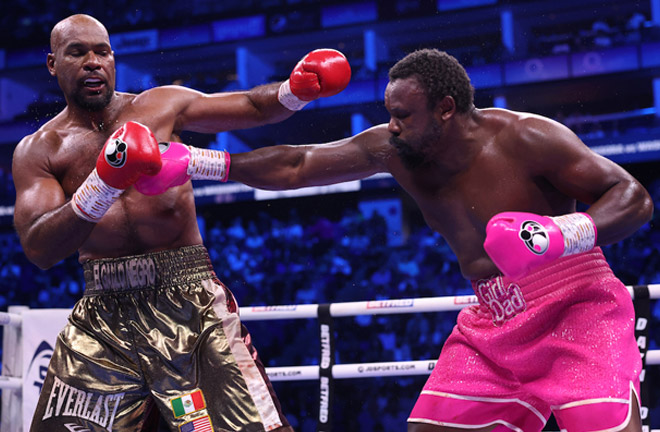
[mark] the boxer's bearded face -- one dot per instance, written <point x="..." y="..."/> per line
<point x="92" y="102"/>
<point x="413" y="125"/>
<point x="84" y="63"/>
<point x="95" y="83"/>
<point x="414" y="150"/>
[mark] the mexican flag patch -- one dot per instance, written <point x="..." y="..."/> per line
<point x="187" y="404"/>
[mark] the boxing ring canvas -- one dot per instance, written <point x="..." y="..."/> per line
<point x="30" y="334"/>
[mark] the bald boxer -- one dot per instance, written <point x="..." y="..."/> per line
<point x="156" y="331"/>
<point x="553" y="331"/>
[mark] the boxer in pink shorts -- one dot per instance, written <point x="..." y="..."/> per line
<point x="553" y="331"/>
<point x="544" y="343"/>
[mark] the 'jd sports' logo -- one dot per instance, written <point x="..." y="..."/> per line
<point x="115" y="153"/>
<point x="535" y="237"/>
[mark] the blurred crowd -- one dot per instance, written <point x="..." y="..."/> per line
<point x="596" y="34"/>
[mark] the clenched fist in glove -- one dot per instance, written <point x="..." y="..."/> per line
<point x="182" y="163"/>
<point x="130" y="152"/>
<point x="321" y="73"/>
<point x="519" y="242"/>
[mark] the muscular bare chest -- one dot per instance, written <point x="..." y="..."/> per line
<point x="76" y="158"/>
<point x="134" y="223"/>
<point x="459" y="206"/>
<point x="77" y="155"/>
<point x="467" y="199"/>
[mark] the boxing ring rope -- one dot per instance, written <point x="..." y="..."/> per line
<point x="325" y="312"/>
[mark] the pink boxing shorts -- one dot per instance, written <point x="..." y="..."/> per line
<point x="560" y="340"/>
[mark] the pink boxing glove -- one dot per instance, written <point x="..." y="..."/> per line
<point x="519" y="242"/>
<point x="175" y="157"/>
<point x="182" y="163"/>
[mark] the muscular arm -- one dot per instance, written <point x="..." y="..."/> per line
<point x="291" y="167"/>
<point x="47" y="227"/>
<point x="180" y="108"/>
<point x="236" y="110"/>
<point x="320" y="73"/>
<point x="619" y="204"/>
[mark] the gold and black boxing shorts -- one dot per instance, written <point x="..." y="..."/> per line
<point x="156" y="331"/>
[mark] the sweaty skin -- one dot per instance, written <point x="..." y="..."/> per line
<point x="475" y="165"/>
<point x="50" y="164"/>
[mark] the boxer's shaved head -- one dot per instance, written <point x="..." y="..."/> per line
<point x="70" y="27"/>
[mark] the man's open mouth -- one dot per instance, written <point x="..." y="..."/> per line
<point x="94" y="83"/>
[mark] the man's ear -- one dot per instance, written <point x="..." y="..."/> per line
<point x="50" y="63"/>
<point x="446" y="108"/>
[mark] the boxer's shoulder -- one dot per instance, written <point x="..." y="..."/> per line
<point x="44" y="139"/>
<point x="162" y="96"/>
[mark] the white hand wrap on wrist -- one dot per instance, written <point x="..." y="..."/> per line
<point x="93" y="198"/>
<point x="288" y="99"/>
<point x="206" y="164"/>
<point x="579" y="232"/>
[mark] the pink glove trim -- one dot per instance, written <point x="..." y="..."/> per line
<point x="228" y="163"/>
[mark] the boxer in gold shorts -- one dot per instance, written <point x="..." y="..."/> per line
<point x="155" y="328"/>
<point x="151" y="331"/>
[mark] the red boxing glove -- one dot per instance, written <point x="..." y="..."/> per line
<point x="180" y="164"/>
<point x="519" y="242"/>
<point x="321" y="73"/>
<point x="130" y="152"/>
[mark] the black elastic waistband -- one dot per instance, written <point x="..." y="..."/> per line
<point x="158" y="269"/>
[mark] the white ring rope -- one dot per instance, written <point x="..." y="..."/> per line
<point x="354" y="370"/>
<point x="10" y="319"/>
<point x="376" y="307"/>
<point x="11" y="383"/>
<point x="345" y="309"/>
<point x="653" y="357"/>
<point x="370" y="307"/>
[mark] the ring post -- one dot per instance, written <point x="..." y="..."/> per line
<point x="327" y="339"/>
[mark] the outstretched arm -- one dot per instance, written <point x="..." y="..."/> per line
<point x="291" y="167"/>
<point x="277" y="167"/>
<point x="218" y="112"/>
<point x="321" y="73"/>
